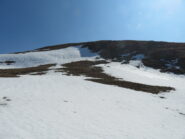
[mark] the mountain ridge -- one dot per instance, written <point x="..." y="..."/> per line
<point x="165" y="56"/>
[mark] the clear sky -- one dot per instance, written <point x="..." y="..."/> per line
<point x="29" y="24"/>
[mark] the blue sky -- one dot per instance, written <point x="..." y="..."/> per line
<point x="29" y="24"/>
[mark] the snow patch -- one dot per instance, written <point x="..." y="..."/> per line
<point x="47" y="57"/>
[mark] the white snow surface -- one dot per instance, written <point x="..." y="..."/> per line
<point x="60" y="56"/>
<point x="56" y="106"/>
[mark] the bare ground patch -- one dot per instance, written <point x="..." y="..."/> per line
<point x="88" y="69"/>
<point x="8" y="62"/>
<point x="39" y="70"/>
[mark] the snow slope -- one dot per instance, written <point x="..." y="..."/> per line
<point x="56" y="106"/>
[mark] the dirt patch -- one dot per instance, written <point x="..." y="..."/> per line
<point x="39" y="70"/>
<point x="89" y="69"/>
<point x="7" y="62"/>
<point x="4" y="101"/>
<point x="182" y="113"/>
<point x="162" y="97"/>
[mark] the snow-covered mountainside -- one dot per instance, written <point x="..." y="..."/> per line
<point x="89" y="91"/>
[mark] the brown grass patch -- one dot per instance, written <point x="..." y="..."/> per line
<point x="39" y="70"/>
<point x="88" y="69"/>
